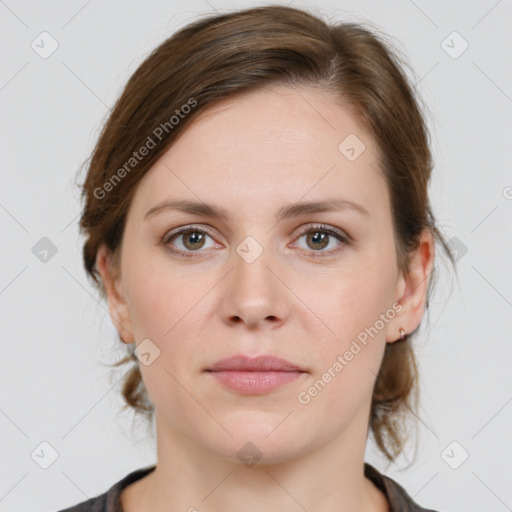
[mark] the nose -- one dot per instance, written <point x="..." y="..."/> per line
<point x="253" y="293"/>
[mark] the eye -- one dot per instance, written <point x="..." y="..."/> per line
<point x="192" y="240"/>
<point x="319" y="237"/>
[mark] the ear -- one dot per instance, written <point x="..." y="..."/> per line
<point x="111" y="277"/>
<point x="412" y="288"/>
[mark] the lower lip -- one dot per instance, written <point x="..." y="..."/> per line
<point x="254" y="383"/>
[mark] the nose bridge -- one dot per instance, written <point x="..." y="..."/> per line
<point x="251" y="260"/>
<point x="254" y="292"/>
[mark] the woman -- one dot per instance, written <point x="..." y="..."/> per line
<point x="257" y="217"/>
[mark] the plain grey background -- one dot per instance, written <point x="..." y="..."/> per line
<point x="55" y="333"/>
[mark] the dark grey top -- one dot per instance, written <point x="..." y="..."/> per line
<point x="399" y="500"/>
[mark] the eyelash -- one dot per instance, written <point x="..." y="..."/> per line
<point x="345" y="239"/>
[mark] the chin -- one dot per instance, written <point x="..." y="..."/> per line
<point x="259" y="439"/>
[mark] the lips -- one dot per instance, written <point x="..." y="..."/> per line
<point x="254" y="375"/>
<point x="256" y="364"/>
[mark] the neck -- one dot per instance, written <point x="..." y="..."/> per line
<point x="329" y="477"/>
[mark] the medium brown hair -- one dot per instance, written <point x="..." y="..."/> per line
<point x="215" y="58"/>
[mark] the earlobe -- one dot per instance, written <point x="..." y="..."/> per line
<point x="111" y="278"/>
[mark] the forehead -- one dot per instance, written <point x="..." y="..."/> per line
<point x="277" y="122"/>
<point x="272" y="145"/>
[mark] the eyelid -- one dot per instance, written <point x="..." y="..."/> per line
<point x="325" y="227"/>
<point x="302" y="230"/>
<point x="190" y="227"/>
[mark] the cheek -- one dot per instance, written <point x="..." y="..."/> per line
<point x="161" y="294"/>
<point x="165" y="308"/>
<point x="169" y="306"/>
<point x="152" y="302"/>
<point x="348" y="360"/>
<point x="355" y="306"/>
<point x="348" y="299"/>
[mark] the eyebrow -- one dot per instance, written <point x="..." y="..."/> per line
<point x="286" y="212"/>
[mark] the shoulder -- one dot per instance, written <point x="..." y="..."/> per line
<point x="97" y="504"/>
<point x="110" y="500"/>
<point x="399" y="499"/>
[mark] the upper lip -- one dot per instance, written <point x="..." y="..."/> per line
<point x="258" y="363"/>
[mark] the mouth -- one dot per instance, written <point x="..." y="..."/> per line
<point x="254" y="376"/>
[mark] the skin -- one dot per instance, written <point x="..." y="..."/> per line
<point x="252" y="155"/>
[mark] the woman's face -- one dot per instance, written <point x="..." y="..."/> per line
<point x="260" y="283"/>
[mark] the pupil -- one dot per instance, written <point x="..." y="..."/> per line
<point x="319" y="237"/>
<point x="193" y="238"/>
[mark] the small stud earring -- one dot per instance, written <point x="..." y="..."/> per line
<point x="403" y="334"/>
